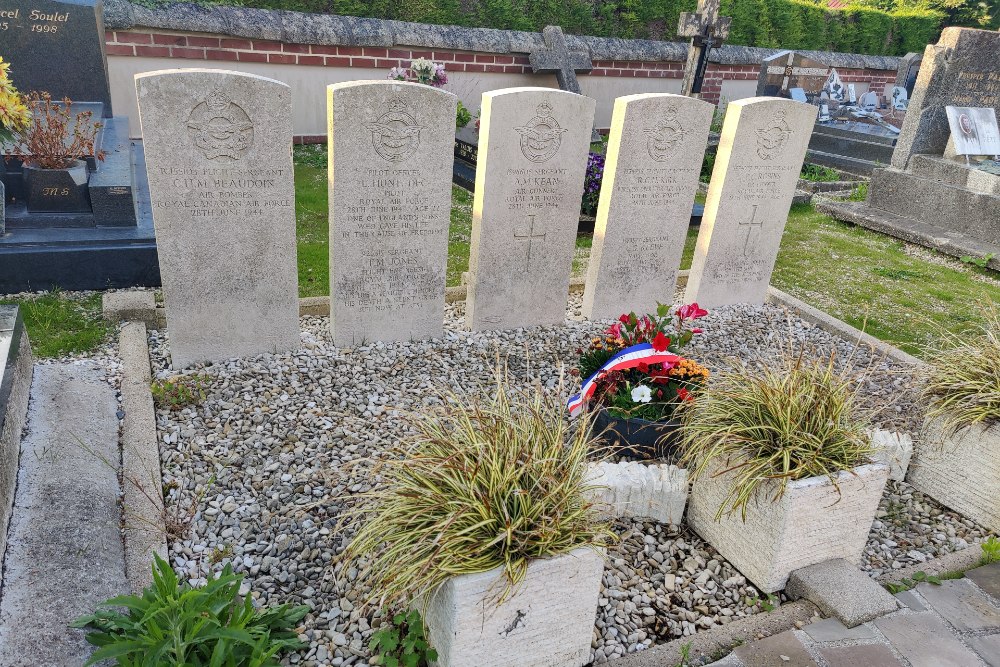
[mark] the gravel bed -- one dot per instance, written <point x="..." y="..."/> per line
<point x="267" y="462"/>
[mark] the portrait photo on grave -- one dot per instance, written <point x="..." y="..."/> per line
<point x="974" y="130"/>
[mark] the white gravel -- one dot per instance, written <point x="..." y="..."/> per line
<point x="282" y="440"/>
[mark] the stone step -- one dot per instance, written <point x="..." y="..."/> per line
<point x="860" y="148"/>
<point x="64" y="554"/>
<point x="844" y="163"/>
<point x="955" y="173"/>
<point x="933" y="202"/>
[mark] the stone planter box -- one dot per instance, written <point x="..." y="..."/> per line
<point x="961" y="472"/>
<point x="811" y="523"/>
<point x="636" y="438"/>
<point x="57" y="190"/>
<point x="634" y="489"/>
<point x="548" y="622"/>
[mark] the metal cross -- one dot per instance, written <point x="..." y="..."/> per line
<point x="707" y="30"/>
<point x="530" y="237"/>
<point x="557" y="57"/>
<point x="753" y="231"/>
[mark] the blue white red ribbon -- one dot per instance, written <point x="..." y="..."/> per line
<point x="630" y="357"/>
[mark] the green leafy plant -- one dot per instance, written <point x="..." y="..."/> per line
<point x="462" y="116"/>
<point x="991" y="551"/>
<point x="792" y="420"/>
<point x="981" y="262"/>
<point x="179" y="392"/>
<point x="769" y="603"/>
<point x="402" y="643"/>
<point x="480" y="484"/>
<point x="818" y="173"/>
<point x="961" y="383"/>
<point x="859" y="193"/>
<point x="906" y="583"/>
<point x="174" y="623"/>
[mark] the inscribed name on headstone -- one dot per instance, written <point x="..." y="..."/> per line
<point x="789" y="69"/>
<point x="974" y="131"/>
<point x="962" y="70"/>
<point x="529" y="181"/>
<point x="757" y="166"/>
<point x="654" y="158"/>
<point x="57" y="47"/>
<point x="391" y="150"/>
<point x="218" y="156"/>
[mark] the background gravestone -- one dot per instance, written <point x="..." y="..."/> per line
<point x="655" y="151"/>
<point x="57" y="47"/>
<point x="391" y="151"/>
<point x="219" y="158"/>
<point x="963" y="70"/>
<point x="529" y="180"/>
<point x="761" y="150"/>
<point x="789" y="69"/>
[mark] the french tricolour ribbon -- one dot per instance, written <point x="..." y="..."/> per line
<point x="630" y="357"/>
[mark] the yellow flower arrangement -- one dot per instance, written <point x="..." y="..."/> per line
<point x="14" y="113"/>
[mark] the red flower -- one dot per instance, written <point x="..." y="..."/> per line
<point x="643" y="368"/>
<point x="696" y="330"/>
<point x="660" y="342"/>
<point x="684" y="394"/>
<point x="659" y="393"/>
<point x="623" y="319"/>
<point x="691" y="312"/>
<point x="615" y="330"/>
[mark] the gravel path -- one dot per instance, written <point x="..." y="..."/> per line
<point x="267" y="461"/>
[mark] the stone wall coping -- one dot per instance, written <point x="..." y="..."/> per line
<point x="328" y="29"/>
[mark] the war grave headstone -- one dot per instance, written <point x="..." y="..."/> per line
<point x="707" y="30"/>
<point x="219" y="151"/>
<point x="390" y="161"/>
<point x="654" y="158"/>
<point x="527" y="203"/>
<point x="756" y="169"/>
<point x="63" y="234"/>
<point x="928" y="194"/>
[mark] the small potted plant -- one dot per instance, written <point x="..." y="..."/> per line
<point x="484" y="524"/>
<point x="957" y="459"/>
<point x="634" y="380"/>
<point x="53" y="151"/>
<point x="431" y="74"/>
<point x="780" y="466"/>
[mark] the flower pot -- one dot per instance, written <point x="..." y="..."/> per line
<point x="57" y="190"/>
<point x="548" y="622"/>
<point x="637" y="439"/>
<point x="961" y="472"/>
<point x="811" y="523"/>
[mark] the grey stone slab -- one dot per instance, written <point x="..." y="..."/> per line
<point x="987" y="578"/>
<point x="842" y="590"/>
<point x="872" y="655"/>
<point x="962" y="605"/>
<point x="219" y="160"/>
<point x="910" y="601"/>
<point x="129" y="305"/>
<point x="832" y="630"/>
<point x="988" y="649"/>
<point x="654" y="158"/>
<point x="925" y="641"/>
<point x="391" y="151"/>
<point x="784" y="649"/>
<point x="757" y="166"/>
<point x="15" y="383"/>
<point x="65" y="552"/>
<point x="529" y="178"/>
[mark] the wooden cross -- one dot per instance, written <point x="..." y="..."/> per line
<point x="773" y="66"/>
<point x="557" y="57"/>
<point x="707" y="30"/>
<point x="530" y="237"/>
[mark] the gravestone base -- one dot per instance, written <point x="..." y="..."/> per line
<point x="856" y="148"/>
<point x="85" y="257"/>
<point x="936" y="202"/>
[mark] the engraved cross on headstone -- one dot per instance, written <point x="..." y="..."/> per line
<point x="530" y="237"/>
<point x="557" y="58"/>
<point x="707" y="30"/>
<point x="753" y="231"/>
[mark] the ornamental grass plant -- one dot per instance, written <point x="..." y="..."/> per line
<point x="961" y="384"/>
<point x="772" y="425"/>
<point x="480" y="484"/>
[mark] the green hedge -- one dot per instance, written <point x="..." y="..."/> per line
<point x="789" y="24"/>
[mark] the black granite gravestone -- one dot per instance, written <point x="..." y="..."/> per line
<point x="106" y="238"/>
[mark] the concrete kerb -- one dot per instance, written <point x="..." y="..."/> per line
<point x="142" y="480"/>
<point x="957" y="561"/>
<point x="712" y="644"/>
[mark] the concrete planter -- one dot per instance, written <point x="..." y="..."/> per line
<point x="633" y="489"/>
<point x="57" y="190"/>
<point x="961" y="472"/>
<point x="811" y="523"/>
<point x="549" y="622"/>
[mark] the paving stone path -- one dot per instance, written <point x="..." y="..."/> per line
<point x="954" y="624"/>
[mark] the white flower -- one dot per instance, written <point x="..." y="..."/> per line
<point x="642" y="394"/>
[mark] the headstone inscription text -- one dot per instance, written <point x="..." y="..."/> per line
<point x="391" y="152"/>
<point x="654" y="158"/>
<point x="529" y="176"/>
<point x="761" y="150"/>
<point x="218" y="159"/>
